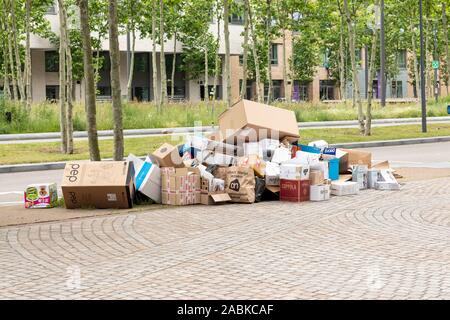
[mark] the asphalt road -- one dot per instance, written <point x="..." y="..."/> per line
<point x="435" y="155"/>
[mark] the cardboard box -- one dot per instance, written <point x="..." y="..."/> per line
<point x="41" y="195"/>
<point x="343" y="160"/>
<point x="359" y="175"/>
<point x="281" y="155"/>
<point x="383" y="185"/>
<point x="294" y="190"/>
<point x="372" y="178"/>
<point x="321" y="166"/>
<point x="180" y="198"/>
<point x="292" y="171"/>
<point x="320" y="192"/>
<point x="202" y="143"/>
<point x="147" y="177"/>
<point x="344" y="188"/>
<point x="214" y="198"/>
<point x="211" y="157"/>
<point x="253" y="161"/>
<point x="251" y="121"/>
<point x="167" y="155"/>
<point x="99" y="184"/>
<point x="180" y="186"/>
<point x="358" y="157"/>
<point x="316" y="177"/>
<point x="272" y="174"/>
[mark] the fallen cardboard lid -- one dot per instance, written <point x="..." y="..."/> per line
<point x="220" y="197"/>
<point x="97" y="173"/>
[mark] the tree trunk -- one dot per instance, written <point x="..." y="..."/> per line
<point x="259" y="89"/>
<point x="15" y="94"/>
<point x="62" y="78"/>
<point x="287" y="92"/>
<point x="154" y="63"/>
<point x="355" y="84"/>
<point x="17" y="54"/>
<point x="445" y="30"/>
<point x="342" y="82"/>
<point x="217" y="60"/>
<point x="6" y="89"/>
<point x="414" y="54"/>
<point x="373" y="52"/>
<point x="245" y="53"/>
<point x="269" y="55"/>
<point x="227" y="51"/>
<point x="162" y="59"/>
<point x="115" y="81"/>
<point x="28" y="54"/>
<point x="69" y="81"/>
<point x="206" y="84"/>
<point x="130" y="76"/>
<point x="174" y="66"/>
<point x="89" y="82"/>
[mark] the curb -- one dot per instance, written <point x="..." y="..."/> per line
<point x="182" y="130"/>
<point x="371" y="144"/>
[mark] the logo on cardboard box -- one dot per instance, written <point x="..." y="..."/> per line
<point x="73" y="173"/>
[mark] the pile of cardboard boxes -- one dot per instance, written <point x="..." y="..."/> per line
<point x="254" y="156"/>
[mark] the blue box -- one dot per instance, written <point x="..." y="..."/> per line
<point x="309" y="149"/>
<point x="333" y="169"/>
<point x="448" y="109"/>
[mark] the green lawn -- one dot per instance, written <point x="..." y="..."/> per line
<point x="49" y="152"/>
<point x="44" y="117"/>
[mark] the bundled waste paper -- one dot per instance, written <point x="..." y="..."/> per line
<point x="254" y="156"/>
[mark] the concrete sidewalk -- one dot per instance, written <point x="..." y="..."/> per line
<point x="108" y="134"/>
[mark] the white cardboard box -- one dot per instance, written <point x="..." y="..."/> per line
<point x="147" y="177"/>
<point x="293" y="171"/>
<point x="344" y="188"/>
<point x="383" y="185"/>
<point x="359" y="175"/>
<point x="320" y="192"/>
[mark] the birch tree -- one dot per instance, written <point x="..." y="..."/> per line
<point x="227" y="73"/>
<point x="90" y="105"/>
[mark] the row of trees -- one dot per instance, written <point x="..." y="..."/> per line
<point x="321" y="32"/>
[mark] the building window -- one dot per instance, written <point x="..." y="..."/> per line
<point x="401" y="59"/>
<point x="397" y="89"/>
<point x="300" y="91"/>
<point x="210" y="91"/>
<point x="327" y="89"/>
<point x="241" y="59"/>
<point x="276" y="90"/>
<point x="103" y="91"/>
<point x="51" y="61"/>
<point x="141" y="93"/>
<point x="236" y="18"/>
<point x="52" y="93"/>
<point x="141" y="62"/>
<point x="178" y="92"/>
<point x="248" y="90"/>
<point x="274" y="54"/>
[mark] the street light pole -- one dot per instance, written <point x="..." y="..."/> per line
<point x="422" y="72"/>
<point x="382" y="57"/>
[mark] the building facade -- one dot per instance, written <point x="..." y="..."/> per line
<point x="45" y="83"/>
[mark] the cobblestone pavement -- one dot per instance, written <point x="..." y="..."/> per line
<point x="383" y="245"/>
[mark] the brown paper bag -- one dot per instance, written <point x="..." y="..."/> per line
<point x="240" y="184"/>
